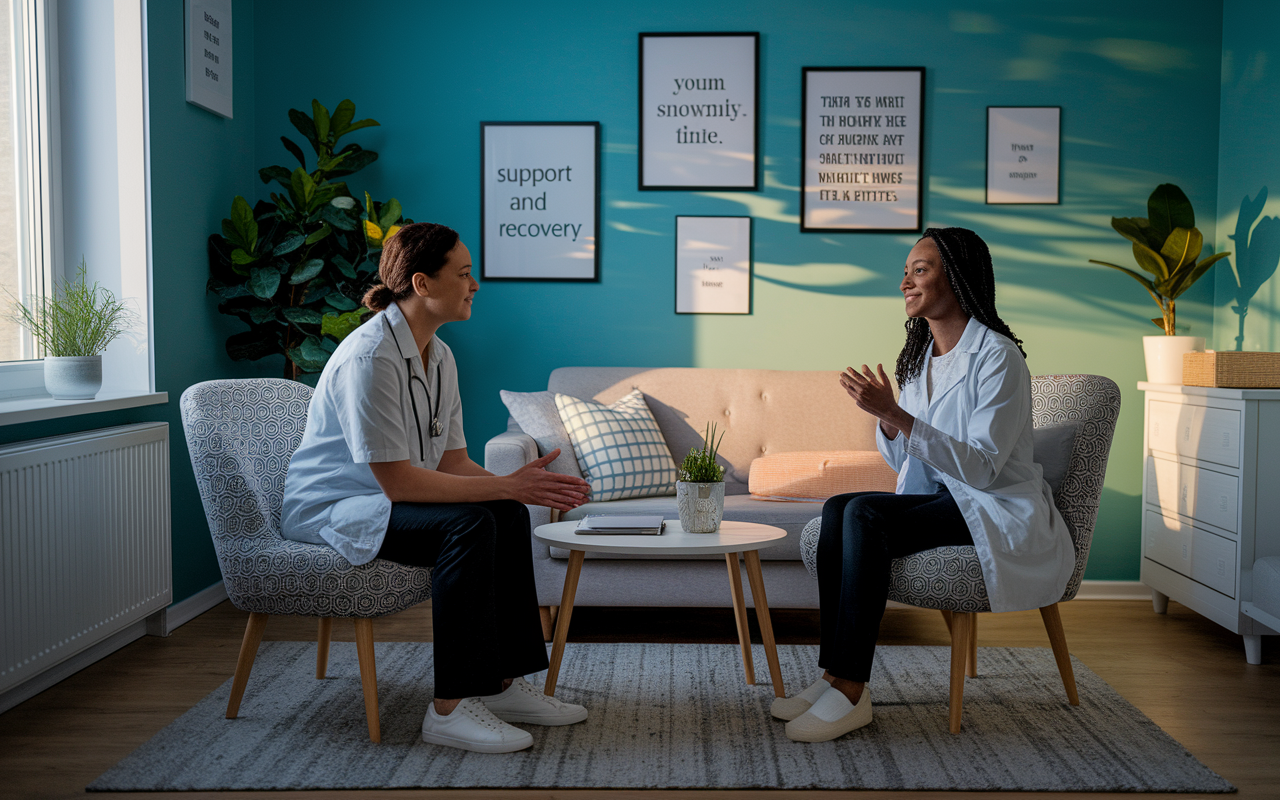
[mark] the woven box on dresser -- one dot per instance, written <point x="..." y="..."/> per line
<point x="1231" y="370"/>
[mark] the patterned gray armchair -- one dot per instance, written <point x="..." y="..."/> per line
<point x="241" y="435"/>
<point x="950" y="578"/>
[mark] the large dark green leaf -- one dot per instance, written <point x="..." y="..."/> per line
<point x="264" y="281"/>
<point x="390" y="212"/>
<point x="241" y="258"/>
<point x="305" y="127"/>
<point x="289" y="245"/>
<point x="302" y="316"/>
<point x="1168" y="208"/>
<point x="1150" y="261"/>
<point x="1146" y="284"/>
<point x="336" y="217"/>
<point x="295" y="150"/>
<point x="260" y="315"/>
<point x="310" y="356"/>
<point x="317" y="235"/>
<point x="342" y="116"/>
<point x="364" y="123"/>
<point x="316" y="290"/>
<point x="306" y="271"/>
<point x="321" y="116"/>
<point x="277" y="174"/>
<point x="340" y="325"/>
<point x="302" y="188"/>
<point x="1191" y="274"/>
<point x="344" y="266"/>
<point x="1182" y="248"/>
<point x="341" y="302"/>
<point x="1136" y="230"/>
<point x="355" y="161"/>
<point x="253" y="344"/>
<point x="243" y="224"/>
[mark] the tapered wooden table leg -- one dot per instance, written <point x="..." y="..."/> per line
<point x="1058" y="640"/>
<point x="322" y="646"/>
<point x="368" y="675"/>
<point x="959" y="651"/>
<point x="562" y="619"/>
<point x="244" y="665"/>
<point x="740" y="614"/>
<point x="762" y="616"/>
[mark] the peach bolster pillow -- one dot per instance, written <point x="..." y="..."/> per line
<point x="817" y="475"/>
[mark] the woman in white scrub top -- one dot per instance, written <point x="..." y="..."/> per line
<point x="959" y="438"/>
<point x="383" y="472"/>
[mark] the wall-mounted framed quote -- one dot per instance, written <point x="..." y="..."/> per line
<point x="862" y="142"/>
<point x="713" y="265"/>
<point x="698" y="98"/>
<point x="540" y="201"/>
<point x="1023" y="152"/>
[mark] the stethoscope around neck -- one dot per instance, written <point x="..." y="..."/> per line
<point x="436" y="428"/>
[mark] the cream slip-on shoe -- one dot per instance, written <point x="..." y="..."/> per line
<point x="788" y="708"/>
<point x="831" y="717"/>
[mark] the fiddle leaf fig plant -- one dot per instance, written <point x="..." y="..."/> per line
<point x="1166" y="245"/>
<point x="295" y="269"/>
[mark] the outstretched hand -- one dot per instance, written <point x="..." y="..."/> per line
<point x="533" y="485"/>
<point x="874" y="394"/>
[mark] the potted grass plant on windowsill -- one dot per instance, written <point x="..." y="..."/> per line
<point x="73" y="326"/>
<point x="700" y="486"/>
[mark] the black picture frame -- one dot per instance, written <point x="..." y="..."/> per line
<point x="754" y="186"/>
<point x="987" y="160"/>
<point x="484" y="236"/>
<point x="751" y="265"/>
<point x="804" y="155"/>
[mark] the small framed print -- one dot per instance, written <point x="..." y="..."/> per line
<point x="713" y="265"/>
<point x="208" y="40"/>
<point x="698" y="98"/>
<point x="1023" y="154"/>
<point x="862" y="142"/>
<point x="540" y="201"/>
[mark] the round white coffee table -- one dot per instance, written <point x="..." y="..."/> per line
<point x="733" y="538"/>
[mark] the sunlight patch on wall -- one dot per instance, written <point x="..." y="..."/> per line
<point x="757" y="206"/>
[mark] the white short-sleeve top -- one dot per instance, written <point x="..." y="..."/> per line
<point x="374" y="402"/>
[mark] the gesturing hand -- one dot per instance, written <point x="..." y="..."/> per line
<point x="874" y="394"/>
<point x="533" y="485"/>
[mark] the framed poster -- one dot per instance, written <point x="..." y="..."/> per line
<point x="540" y="201"/>
<point x="1023" y="149"/>
<point x="861" y="133"/>
<point x="713" y="265"/>
<point x="208" y="38"/>
<point x="698" y="98"/>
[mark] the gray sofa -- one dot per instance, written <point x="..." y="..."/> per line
<point x="761" y="412"/>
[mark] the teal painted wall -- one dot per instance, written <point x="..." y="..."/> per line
<point x="1249" y="180"/>
<point x="198" y="163"/>
<point x="1138" y="82"/>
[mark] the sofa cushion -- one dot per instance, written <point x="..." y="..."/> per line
<point x="1051" y="448"/>
<point x="740" y="507"/>
<point x="820" y="474"/>
<point x="537" y="415"/>
<point x="619" y="447"/>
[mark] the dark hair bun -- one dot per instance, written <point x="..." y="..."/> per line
<point x="379" y="297"/>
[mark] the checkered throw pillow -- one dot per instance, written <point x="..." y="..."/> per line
<point x="619" y="447"/>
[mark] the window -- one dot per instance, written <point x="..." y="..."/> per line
<point x="25" y="179"/>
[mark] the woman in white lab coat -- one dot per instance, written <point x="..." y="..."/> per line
<point x="959" y="437"/>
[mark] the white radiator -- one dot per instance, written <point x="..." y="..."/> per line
<point x="84" y="542"/>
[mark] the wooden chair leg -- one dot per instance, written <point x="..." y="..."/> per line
<point x="946" y="617"/>
<point x="548" y="615"/>
<point x="368" y="676"/>
<point x="244" y="665"/>
<point x="971" y="660"/>
<point x="322" y="646"/>
<point x="1058" y="640"/>
<point x="960" y="622"/>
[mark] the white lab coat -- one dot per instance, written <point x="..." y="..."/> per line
<point x="976" y="434"/>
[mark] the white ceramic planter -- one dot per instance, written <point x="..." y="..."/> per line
<point x="1164" y="356"/>
<point x="700" y="505"/>
<point x="73" y="377"/>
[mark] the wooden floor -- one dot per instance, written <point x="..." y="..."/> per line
<point x="1186" y="673"/>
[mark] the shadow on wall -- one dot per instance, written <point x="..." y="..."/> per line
<point x="1257" y="255"/>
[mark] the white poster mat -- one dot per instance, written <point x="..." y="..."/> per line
<point x="713" y="265"/>
<point x="1023" y="145"/>
<point x="540" y="201"/>
<point x="862" y="132"/>
<point x="208" y="45"/>
<point x="698" y="112"/>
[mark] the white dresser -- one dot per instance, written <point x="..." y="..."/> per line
<point x="1210" y="499"/>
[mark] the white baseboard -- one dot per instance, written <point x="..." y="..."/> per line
<point x="179" y="614"/>
<point x="1113" y="590"/>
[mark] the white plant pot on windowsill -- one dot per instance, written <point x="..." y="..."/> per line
<point x="1164" y="356"/>
<point x="73" y="377"/>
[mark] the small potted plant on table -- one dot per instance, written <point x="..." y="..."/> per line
<point x="700" y="486"/>
<point x="73" y="327"/>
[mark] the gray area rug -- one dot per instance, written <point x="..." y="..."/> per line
<point x="672" y="716"/>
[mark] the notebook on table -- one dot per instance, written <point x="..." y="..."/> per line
<point x="629" y="524"/>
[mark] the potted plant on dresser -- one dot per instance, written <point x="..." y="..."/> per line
<point x="700" y="486"/>
<point x="73" y="326"/>
<point x="1166" y="245"/>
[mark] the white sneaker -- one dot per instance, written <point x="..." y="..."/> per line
<point x="831" y="717"/>
<point x="523" y="702"/>
<point x="471" y="726"/>
<point x="788" y="708"/>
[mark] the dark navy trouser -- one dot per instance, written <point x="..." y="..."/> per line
<point x="861" y="534"/>
<point x="484" y="605"/>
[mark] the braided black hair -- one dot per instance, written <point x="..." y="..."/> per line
<point x="967" y="264"/>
